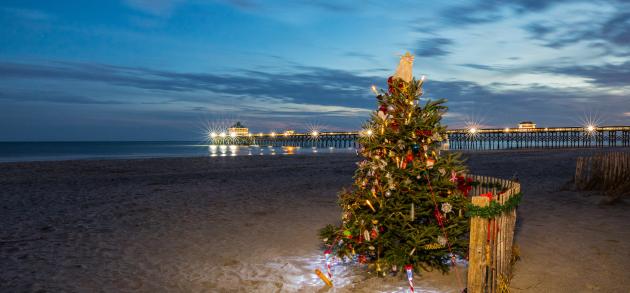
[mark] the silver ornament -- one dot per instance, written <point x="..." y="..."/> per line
<point x="447" y="207"/>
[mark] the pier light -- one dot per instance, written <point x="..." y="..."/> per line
<point x="260" y="134"/>
<point x="590" y="127"/>
<point x="222" y="134"/>
<point x="213" y="134"/>
<point x="314" y="133"/>
<point x="233" y="134"/>
<point x="249" y="134"/>
<point x="506" y="129"/>
<point x="273" y="134"/>
<point x="473" y="130"/>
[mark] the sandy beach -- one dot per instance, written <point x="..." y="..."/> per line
<point x="249" y="223"/>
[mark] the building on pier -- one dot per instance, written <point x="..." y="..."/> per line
<point x="526" y="125"/>
<point x="238" y="129"/>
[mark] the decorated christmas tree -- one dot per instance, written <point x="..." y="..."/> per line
<point x="406" y="206"/>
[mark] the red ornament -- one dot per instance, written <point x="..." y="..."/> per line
<point x="383" y="108"/>
<point x="373" y="234"/>
<point x="409" y="157"/>
<point x="362" y="259"/>
<point x="488" y="195"/>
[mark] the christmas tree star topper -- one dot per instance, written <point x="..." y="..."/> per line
<point x="405" y="67"/>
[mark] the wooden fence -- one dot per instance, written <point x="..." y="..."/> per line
<point x="491" y="239"/>
<point x="608" y="172"/>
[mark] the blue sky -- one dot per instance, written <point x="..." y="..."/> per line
<point x="160" y="69"/>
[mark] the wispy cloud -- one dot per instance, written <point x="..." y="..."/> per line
<point x="433" y="47"/>
<point x="609" y="75"/>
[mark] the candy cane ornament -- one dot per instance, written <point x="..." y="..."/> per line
<point x="409" y="269"/>
<point x="327" y="254"/>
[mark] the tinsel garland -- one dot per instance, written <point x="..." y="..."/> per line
<point x="494" y="208"/>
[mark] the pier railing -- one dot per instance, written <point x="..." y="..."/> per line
<point x="492" y="223"/>
<point x="472" y="139"/>
<point x="557" y="137"/>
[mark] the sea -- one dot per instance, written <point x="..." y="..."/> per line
<point x="101" y="150"/>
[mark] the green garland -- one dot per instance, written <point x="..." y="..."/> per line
<point x="494" y="208"/>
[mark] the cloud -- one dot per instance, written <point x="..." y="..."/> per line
<point x="310" y="86"/>
<point x="609" y="31"/>
<point x="34" y="95"/>
<point x="481" y="67"/>
<point x="305" y="92"/>
<point x="433" y="47"/>
<point x="610" y="75"/>
<point x="482" y="11"/>
<point x="539" y="30"/>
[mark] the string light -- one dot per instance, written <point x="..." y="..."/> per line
<point x="222" y="134"/>
<point x="273" y="134"/>
<point x="374" y="90"/>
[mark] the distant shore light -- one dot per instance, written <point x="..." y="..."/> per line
<point x="314" y="133"/>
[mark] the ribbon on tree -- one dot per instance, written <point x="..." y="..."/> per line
<point x="409" y="269"/>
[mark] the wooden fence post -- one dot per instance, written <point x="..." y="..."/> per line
<point x="477" y="249"/>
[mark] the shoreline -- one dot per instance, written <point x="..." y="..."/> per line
<point x="340" y="151"/>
